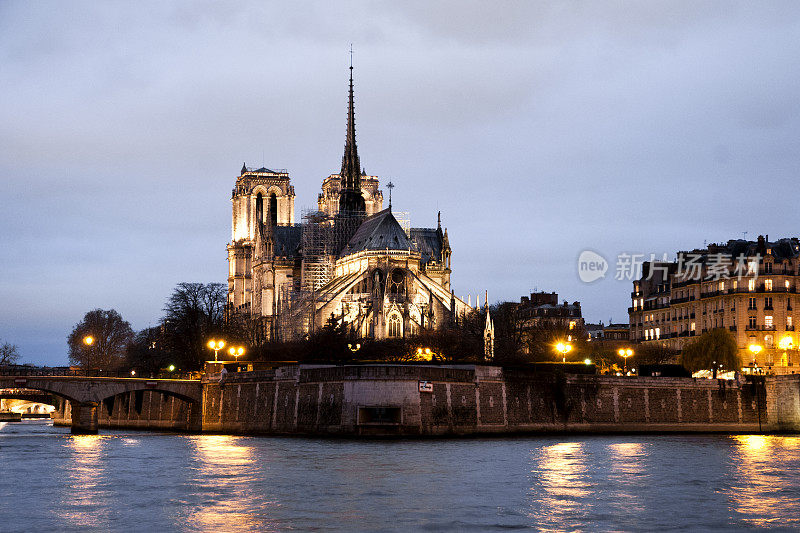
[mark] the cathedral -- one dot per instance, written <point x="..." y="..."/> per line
<point x="348" y="262"/>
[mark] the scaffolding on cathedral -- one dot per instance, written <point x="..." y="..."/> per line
<point x="323" y="238"/>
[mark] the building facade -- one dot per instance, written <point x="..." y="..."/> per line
<point x="348" y="262"/>
<point x="747" y="287"/>
<point x="543" y="309"/>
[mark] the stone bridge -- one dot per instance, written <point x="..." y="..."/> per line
<point x="86" y="393"/>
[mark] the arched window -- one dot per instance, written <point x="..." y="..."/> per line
<point x="273" y="209"/>
<point x="377" y="284"/>
<point x="259" y="208"/>
<point x="395" y="326"/>
<point x="397" y="283"/>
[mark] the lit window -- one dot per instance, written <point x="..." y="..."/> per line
<point x="751" y="285"/>
<point x="735" y="284"/>
<point x="768" y="321"/>
<point x="788" y="321"/>
<point x="658" y="333"/>
<point x="768" y="341"/>
<point x="571" y="324"/>
<point x="787" y="284"/>
<point x="768" y="284"/>
<point x="721" y="285"/>
<point x="635" y="303"/>
<point x="692" y="326"/>
<point x="395" y="326"/>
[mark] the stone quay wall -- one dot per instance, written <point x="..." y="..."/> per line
<point x="152" y="410"/>
<point x="400" y="400"/>
<point x="407" y="400"/>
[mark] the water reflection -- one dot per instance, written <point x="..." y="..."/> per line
<point x="225" y="477"/>
<point x="760" y="492"/>
<point x="561" y="484"/>
<point x="85" y="497"/>
<point x="628" y="472"/>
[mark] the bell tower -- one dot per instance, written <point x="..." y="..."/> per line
<point x="262" y="199"/>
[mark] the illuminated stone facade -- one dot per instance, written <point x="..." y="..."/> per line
<point x="749" y="288"/>
<point x="349" y="262"/>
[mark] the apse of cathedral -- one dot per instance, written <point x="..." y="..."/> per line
<point x="347" y="262"/>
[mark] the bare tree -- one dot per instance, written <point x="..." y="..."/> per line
<point x="192" y="315"/>
<point x="110" y="336"/>
<point x="9" y="354"/>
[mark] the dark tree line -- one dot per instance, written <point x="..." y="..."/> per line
<point x="193" y="313"/>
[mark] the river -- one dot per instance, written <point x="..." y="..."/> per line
<point x="140" y="481"/>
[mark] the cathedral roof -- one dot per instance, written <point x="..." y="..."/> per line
<point x="381" y="231"/>
<point x="428" y="242"/>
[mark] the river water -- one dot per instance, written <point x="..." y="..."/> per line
<point x="138" y="481"/>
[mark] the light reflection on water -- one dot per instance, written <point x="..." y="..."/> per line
<point x="224" y="476"/>
<point x="761" y="492"/>
<point x="560" y="470"/>
<point x="137" y="481"/>
<point x="84" y="497"/>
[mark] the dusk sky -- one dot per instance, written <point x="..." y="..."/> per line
<point x="538" y="129"/>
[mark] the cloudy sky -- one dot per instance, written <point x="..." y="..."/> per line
<point x="538" y="129"/>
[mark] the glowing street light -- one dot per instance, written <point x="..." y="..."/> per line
<point x="563" y="348"/>
<point x="216" y="346"/>
<point x="755" y="349"/>
<point x="88" y="340"/>
<point x="424" y="354"/>
<point x="625" y="353"/>
<point x="236" y="352"/>
<point x="171" y="368"/>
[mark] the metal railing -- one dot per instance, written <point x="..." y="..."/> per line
<point x="82" y="373"/>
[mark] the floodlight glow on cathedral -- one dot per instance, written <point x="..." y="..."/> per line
<point x="347" y="262"/>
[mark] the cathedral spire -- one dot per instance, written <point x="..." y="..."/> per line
<point x="351" y="166"/>
<point x="351" y="200"/>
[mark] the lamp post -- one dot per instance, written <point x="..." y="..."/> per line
<point x="88" y="340"/>
<point x="236" y="352"/>
<point x="563" y="348"/>
<point x="754" y="349"/>
<point x="625" y="353"/>
<point x="216" y="346"/>
<point x="786" y="344"/>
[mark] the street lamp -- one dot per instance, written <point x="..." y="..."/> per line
<point x="216" y="346"/>
<point x="755" y="349"/>
<point x="625" y="353"/>
<point x="88" y="340"/>
<point x="563" y="348"/>
<point x="236" y="352"/>
<point x="424" y="354"/>
<point x="786" y="344"/>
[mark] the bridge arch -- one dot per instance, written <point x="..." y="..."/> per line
<point x="87" y="395"/>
